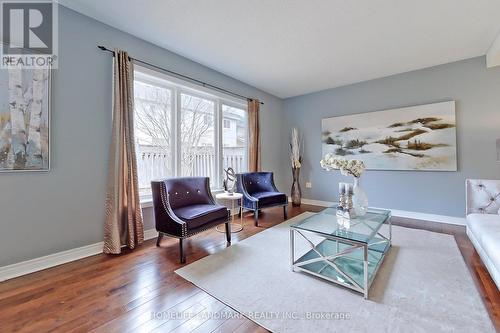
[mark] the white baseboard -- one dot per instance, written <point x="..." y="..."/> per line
<point x="150" y="234"/>
<point x="400" y="213"/>
<point x="56" y="259"/>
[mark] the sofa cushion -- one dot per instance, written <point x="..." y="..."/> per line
<point x="482" y="225"/>
<point x="197" y="215"/>
<point x="270" y="198"/>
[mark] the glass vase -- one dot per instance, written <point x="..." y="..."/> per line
<point x="296" y="193"/>
<point x="359" y="199"/>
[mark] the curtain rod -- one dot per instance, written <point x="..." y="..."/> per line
<point x="201" y="83"/>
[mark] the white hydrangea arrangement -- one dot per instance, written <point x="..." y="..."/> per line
<point x="347" y="167"/>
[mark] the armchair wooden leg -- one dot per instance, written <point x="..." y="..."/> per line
<point x="181" y="250"/>
<point x="158" y="240"/>
<point x="228" y="232"/>
<point x="256" y="217"/>
<point x="285" y="213"/>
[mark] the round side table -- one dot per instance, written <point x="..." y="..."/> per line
<point x="235" y="199"/>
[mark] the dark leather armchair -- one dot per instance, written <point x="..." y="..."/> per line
<point x="184" y="207"/>
<point x="259" y="192"/>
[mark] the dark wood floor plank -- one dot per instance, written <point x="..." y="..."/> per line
<point x="231" y="324"/>
<point x="214" y="322"/>
<point x="189" y="306"/>
<point x="249" y="327"/>
<point x="142" y="314"/>
<point x="107" y="293"/>
<point x="211" y="306"/>
<point x="183" y="318"/>
<point x="96" y="304"/>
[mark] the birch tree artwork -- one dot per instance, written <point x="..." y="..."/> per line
<point x="24" y="119"/>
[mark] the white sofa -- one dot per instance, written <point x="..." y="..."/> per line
<point x="483" y="222"/>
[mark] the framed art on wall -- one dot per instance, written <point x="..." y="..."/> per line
<point x="412" y="138"/>
<point x="25" y="119"/>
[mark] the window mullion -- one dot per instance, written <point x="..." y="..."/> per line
<point x="218" y="142"/>
<point x="177" y="126"/>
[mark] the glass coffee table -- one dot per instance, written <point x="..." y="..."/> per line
<point x="342" y="251"/>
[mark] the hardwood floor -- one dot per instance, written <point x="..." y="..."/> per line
<point x="130" y="292"/>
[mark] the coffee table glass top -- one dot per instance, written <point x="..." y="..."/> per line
<point x="360" y="229"/>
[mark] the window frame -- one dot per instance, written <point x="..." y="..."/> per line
<point x="179" y="86"/>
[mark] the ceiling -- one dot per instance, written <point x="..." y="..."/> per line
<point x="293" y="47"/>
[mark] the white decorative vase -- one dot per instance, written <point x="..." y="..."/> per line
<point x="359" y="199"/>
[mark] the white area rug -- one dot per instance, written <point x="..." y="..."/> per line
<point x="422" y="286"/>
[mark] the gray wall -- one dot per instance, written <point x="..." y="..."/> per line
<point x="43" y="213"/>
<point x="476" y="90"/>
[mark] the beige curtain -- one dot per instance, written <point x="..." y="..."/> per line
<point x="124" y="226"/>
<point x="254" y="135"/>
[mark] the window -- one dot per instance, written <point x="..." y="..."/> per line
<point x="234" y="138"/>
<point x="208" y="119"/>
<point x="153" y="125"/>
<point x="197" y="137"/>
<point x="185" y="130"/>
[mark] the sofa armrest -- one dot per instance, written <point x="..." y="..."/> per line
<point x="209" y="194"/>
<point x="165" y="219"/>
<point x="482" y="196"/>
<point x="249" y="201"/>
<point x="273" y="185"/>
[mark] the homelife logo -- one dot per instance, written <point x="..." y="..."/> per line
<point x="29" y="34"/>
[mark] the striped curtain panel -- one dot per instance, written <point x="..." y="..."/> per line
<point x="124" y="225"/>
<point x="254" y="135"/>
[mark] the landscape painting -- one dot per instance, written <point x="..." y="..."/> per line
<point x="24" y="119"/>
<point x="412" y="138"/>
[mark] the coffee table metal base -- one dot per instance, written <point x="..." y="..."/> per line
<point x="342" y="261"/>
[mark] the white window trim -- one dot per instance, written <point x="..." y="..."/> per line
<point x="177" y="87"/>
<point x="192" y="88"/>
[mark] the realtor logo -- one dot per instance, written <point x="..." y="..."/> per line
<point x="29" y="34"/>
